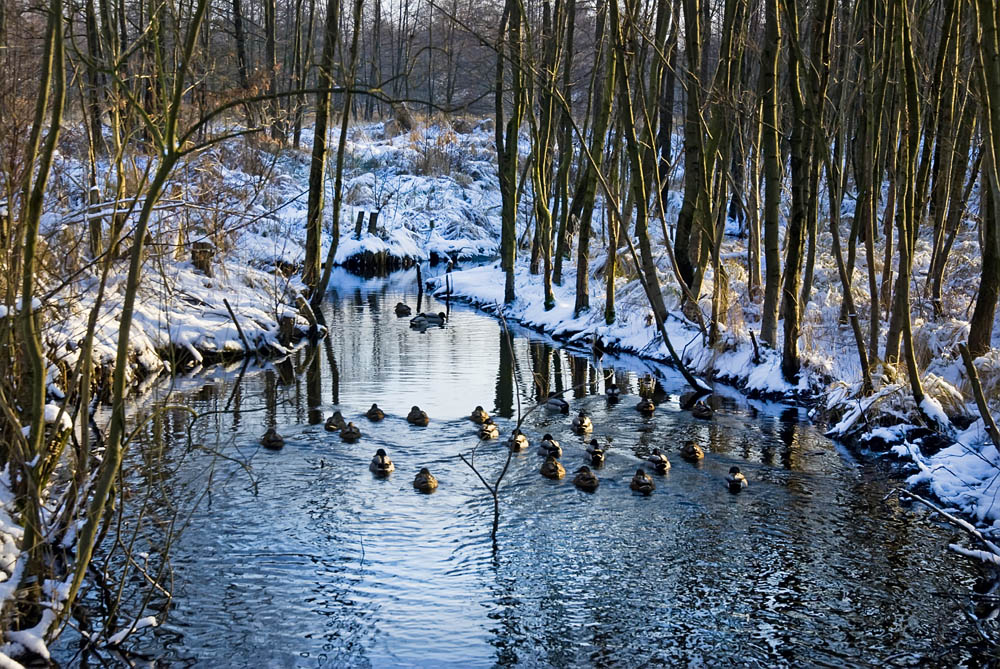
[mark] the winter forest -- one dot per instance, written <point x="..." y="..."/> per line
<point x="730" y="266"/>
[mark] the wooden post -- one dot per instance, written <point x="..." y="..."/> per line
<point x="357" y="225"/>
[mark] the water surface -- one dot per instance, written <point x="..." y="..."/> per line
<point x="303" y="558"/>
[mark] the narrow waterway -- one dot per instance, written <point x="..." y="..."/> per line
<point x="301" y="557"/>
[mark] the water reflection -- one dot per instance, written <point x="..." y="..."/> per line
<point x="327" y="566"/>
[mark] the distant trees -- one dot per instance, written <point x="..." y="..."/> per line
<point x="858" y="105"/>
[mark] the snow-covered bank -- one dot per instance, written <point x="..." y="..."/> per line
<point x="633" y="330"/>
<point x="425" y="195"/>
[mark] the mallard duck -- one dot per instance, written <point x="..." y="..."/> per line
<point x="419" y="322"/>
<point x="335" y="422"/>
<point x="375" y="414"/>
<point x="582" y="424"/>
<point x="586" y="479"/>
<point x="642" y="482"/>
<point x="381" y="465"/>
<point x="417" y="417"/>
<point x="692" y="452"/>
<point x="272" y="440"/>
<point x="350" y="433"/>
<point x="702" y="410"/>
<point x="517" y="442"/>
<point x="551" y="469"/>
<point x="735" y="480"/>
<point x="489" y="430"/>
<point x="425" y="481"/>
<point x="549" y="446"/>
<point x="402" y="310"/>
<point x="435" y="319"/>
<point x="659" y="461"/>
<point x="557" y="404"/>
<point x="645" y="406"/>
<point x="479" y="415"/>
<point x="596" y="453"/>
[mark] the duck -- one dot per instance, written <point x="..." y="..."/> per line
<point x="272" y="440"/>
<point x="659" y="461"/>
<point x="646" y="406"/>
<point x="582" y="424"/>
<point x="596" y="453"/>
<point x="736" y="480"/>
<point x="691" y="451"/>
<point x="489" y="430"/>
<point x="350" y="433"/>
<point x="552" y="469"/>
<point x="479" y="415"/>
<point x="642" y="482"/>
<point x="557" y="404"/>
<point x="375" y="414"/>
<point x="549" y="446"/>
<point x="335" y="422"/>
<point x="417" y="417"/>
<point x="402" y="310"/>
<point x="381" y="465"/>
<point x="613" y="391"/>
<point x="517" y="442"/>
<point x="585" y="479"/>
<point x="425" y="481"/>
<point x="426" y="320"/>
<point x="702" y="410"/>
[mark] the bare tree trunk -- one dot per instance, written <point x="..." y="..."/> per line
<point x="338" y="182"/>
<point x="317" y="166"/>
<point x="772" y="174"/>
<point x="507" y="135"/>
<point x="981" y="326"/>
<point x="565" y="148"/>
<point x="27" y="485"/>
<point x="603" y="93"/>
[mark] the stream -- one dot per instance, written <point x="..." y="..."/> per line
<point x="302" y="558"/>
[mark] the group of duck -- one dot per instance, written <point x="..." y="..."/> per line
<point x="585" y="479"/>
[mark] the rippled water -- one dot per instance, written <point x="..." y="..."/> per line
<point x="303" y="558"/>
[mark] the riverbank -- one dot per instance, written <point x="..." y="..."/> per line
<point x="431" y="194"/>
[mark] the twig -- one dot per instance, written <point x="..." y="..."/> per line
<point x="993" y="551"/>
<point x="239" y="329"/>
